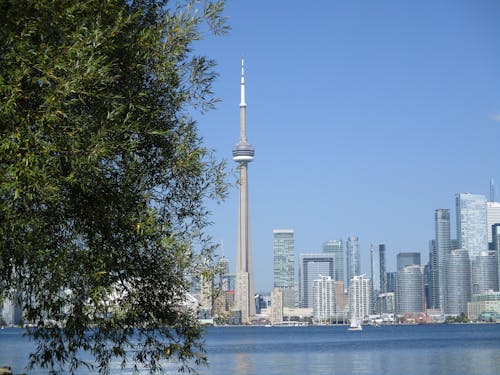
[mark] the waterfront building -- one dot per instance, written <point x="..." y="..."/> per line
<point x="441" y="251"/>
<point x="336" y="247"/>
<point x="407" y="259"/>
<point x="276" y="306"/>
<point x="353" y="258"/>
<point x="311" y="267"/>
<point x="341" y="301"/>
<point x="243" y="153"/>
<point x="410" y="290"/>
<point x="387" y="303"/>
<point x="488" y="302"/>
<point x="484" y="272"/>
<point x="427" y="284"/>
<point x="324" y="299"/>
<point x="284" y="265"/>
<point x="492" y="217"/>
<point x="360" y="299"/>
<point x="378" y="273"/>
<point x="458" y="282"/>
<point x="391" y="282"/>
<point x="472" y="228"/>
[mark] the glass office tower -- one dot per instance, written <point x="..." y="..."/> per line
<point x="312" y="267"/>
<point x="472" y="227"/>
<point x="336" y="248"/>
<point x="353" y="258"/>
<point x="284" y="265"/>
<point x="410" y="290"/>
<point x="458" y="282"/>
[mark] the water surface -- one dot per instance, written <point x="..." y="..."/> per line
<point x="392" y="350"/>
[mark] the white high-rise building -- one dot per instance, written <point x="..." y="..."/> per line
<point x="442" y="248"/>
<point x="360" y="299"/>
<point x="324" y="299"/>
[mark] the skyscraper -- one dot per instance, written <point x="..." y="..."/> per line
<point x="379" y="277"/>
<point x="391" y="282"/>
<point x="410" y="290"/>
<point x="336" y="247"/>
<point x="243" y="153"/>
<point x="312" y="266"/>
<point x="407" y="259"/>
<point x="353" y="258"/>
<point x="484" y="272"/>
<point x="360" y="298"/>
<point x="284" y="265"/>
<point x="472" y="228"/>
<point x="458" y="282"/>
<point x="492" y="217"/>
<point x="324" y="299"/>
<point x="442" y="250"/>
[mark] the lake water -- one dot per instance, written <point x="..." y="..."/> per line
<point x="391" y="350"/>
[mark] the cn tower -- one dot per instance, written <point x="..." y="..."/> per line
<point x="243" y="154"/>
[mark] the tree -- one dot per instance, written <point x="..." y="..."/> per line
<point x="103" y="176"/>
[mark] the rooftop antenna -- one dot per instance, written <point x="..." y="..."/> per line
<point x="492" y="190"/>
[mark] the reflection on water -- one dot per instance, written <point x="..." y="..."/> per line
<point x="437" y="350"/>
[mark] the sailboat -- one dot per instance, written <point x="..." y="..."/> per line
<point x="355" y="323"/>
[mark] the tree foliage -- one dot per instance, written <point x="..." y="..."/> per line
<point x="103" y="175"/>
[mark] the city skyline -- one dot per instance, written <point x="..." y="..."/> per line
<point x="367" y="118"/>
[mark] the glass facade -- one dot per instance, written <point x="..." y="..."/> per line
<point x="410" y="290"/>
<point x="407" y="259"/>
<point x="493" y="217"/>
<point x="484" y="272"/>
<point x="284" y="258"/>
<point x="472" y="227"/>
<point x="378" y="273"/>
<point x="284" y="265"/>
<point x="353" y="258"/>
<point x="312" y="267"/>
<point x="336" y="247"/>
<point x="458" y="282"/>
<point x="442" y="250"/>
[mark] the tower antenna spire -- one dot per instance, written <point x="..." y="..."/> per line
<point x="492" y="190"/>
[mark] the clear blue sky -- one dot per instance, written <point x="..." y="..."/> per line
<point x="365" y="116"/>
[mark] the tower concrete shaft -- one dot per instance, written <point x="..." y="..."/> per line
<point x="243" y="153"/>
